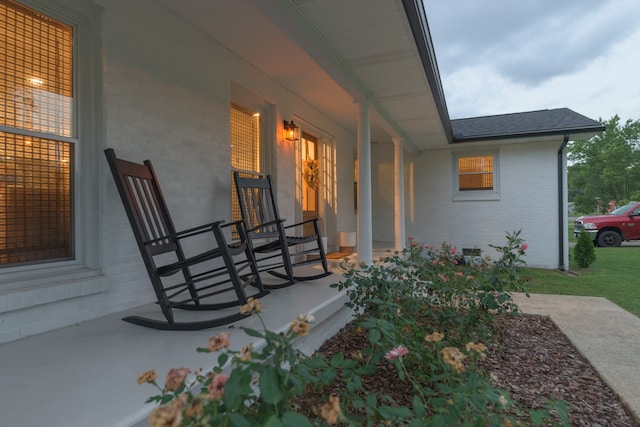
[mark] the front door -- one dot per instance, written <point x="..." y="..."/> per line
<point x="310" y="180"/>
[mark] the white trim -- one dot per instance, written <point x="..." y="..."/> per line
<point x="327" y="191"/>
<point x="88" y="139"/>
<point x="46" y="288"/>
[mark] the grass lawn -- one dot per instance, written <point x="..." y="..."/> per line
<point x="614" y="275"/>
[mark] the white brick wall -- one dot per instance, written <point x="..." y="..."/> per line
<point x="171" y="105"/>
<point x="528" y="202"/>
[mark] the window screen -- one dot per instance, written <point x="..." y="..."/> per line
<point x="36" y="98"/>
<point x="245" y="149"/>
<point x="475" y="173"/>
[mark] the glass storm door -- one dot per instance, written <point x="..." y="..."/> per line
<point x="310" y="180"/>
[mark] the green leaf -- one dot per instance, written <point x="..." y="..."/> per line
<point x="316" y="362"/>
<point x="418" y="407"/>
<point x="374" y="336"/>
<point x="236" y="419"/>
<point x="272" y="421"/>
<point x="236" y="386"/>
<point x="328" y="376"/>
<point x="371" y="400"/>
<point x="536" y="417"/>
<point x="349" y="363"/>
<point x="337" y="360"/>
<point x="270" y="387"/>
<point x="252" y="332"/>
<point x="369" y="323"/>
<point x="157" y="398"/>
<point x="366" y="370"/>
<point x="293" y="419"/>
<point x="436" y="421"/>
<point x="222" y="359"/>
<point x="392" y="412"/>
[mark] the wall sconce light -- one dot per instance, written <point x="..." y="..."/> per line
<point x="290" y="131"/>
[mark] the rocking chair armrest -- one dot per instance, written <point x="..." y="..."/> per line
<point x="238" y="223"/>
<point x="301" y="223"/>
<point x="265" y="224"/>
<point x="187" y="233"/>
<point x="198" y="230"/>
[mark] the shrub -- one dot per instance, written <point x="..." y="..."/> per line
<point x="584" y="251"/>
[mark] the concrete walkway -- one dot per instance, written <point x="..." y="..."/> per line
<point x="605" y="334"/>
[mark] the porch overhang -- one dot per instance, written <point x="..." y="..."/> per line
<point x="331" y="53"/>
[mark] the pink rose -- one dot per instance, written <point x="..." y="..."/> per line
<point x="399" y="351"/>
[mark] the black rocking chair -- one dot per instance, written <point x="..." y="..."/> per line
<point x="219" y="273"/>
<point x="270" y="239"/>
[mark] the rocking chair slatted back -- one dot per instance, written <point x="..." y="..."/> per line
<point x="147" y="207"/>
<point x="258" y="207"/>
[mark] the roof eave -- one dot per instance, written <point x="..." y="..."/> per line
<point x="584" y="133"/>
<point x="420" y="29"/>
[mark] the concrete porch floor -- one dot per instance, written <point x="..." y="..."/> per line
<point x="85" y="375"/>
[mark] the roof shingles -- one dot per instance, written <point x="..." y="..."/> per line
<point x="530" y="123"/>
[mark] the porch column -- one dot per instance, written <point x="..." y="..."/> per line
<point x="364" y="229"/>
<point x="398" y="194"/>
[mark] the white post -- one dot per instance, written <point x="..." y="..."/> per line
<point x="364" y="232"/>
<point x="398" y="197"/>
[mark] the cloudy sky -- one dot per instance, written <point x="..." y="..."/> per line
<point x="504" y="56"/>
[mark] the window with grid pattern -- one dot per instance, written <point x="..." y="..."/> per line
<point x="36" y="107"/>
<point x="245" y="149"/>
<point x="475" y="173"/>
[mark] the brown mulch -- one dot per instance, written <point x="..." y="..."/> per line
<point x="531" y="359"/>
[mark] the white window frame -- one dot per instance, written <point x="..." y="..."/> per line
<point x="82" y="275"/>
<point x="476" y="195"/>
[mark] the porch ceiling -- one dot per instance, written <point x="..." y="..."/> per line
<point x="331" y="53"/>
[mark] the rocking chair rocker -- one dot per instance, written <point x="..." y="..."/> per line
<point x="270" y="240"/>
<point x="220" y="273"/>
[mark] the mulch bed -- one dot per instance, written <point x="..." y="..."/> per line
<point x="530" y="358"/>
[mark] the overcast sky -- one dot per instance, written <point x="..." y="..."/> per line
<point x="506" y="56"/>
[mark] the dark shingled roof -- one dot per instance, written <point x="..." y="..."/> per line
<point x="558" y="121"/>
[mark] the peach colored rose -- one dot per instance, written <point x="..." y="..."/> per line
<point x="252" y="306"/>
<point x="434" y="337"/>
<point x="175" y="378"/>
<point x="147" y="377"/>
<point x="218" y="342"/>
<point x="331" y="410"/>
<point x="169" y="415"/>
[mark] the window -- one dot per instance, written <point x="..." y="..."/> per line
<point x="475" y="176"/>
<point x="245" y="149"/>
<point x="36" y="137"/>
<point x="475" y="173"/>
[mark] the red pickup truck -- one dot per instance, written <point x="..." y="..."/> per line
<point x="611" y="229"/>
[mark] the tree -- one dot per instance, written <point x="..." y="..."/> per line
<point x="606" y="166"/>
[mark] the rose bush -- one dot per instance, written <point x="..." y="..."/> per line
<point x="394" y="298"/>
